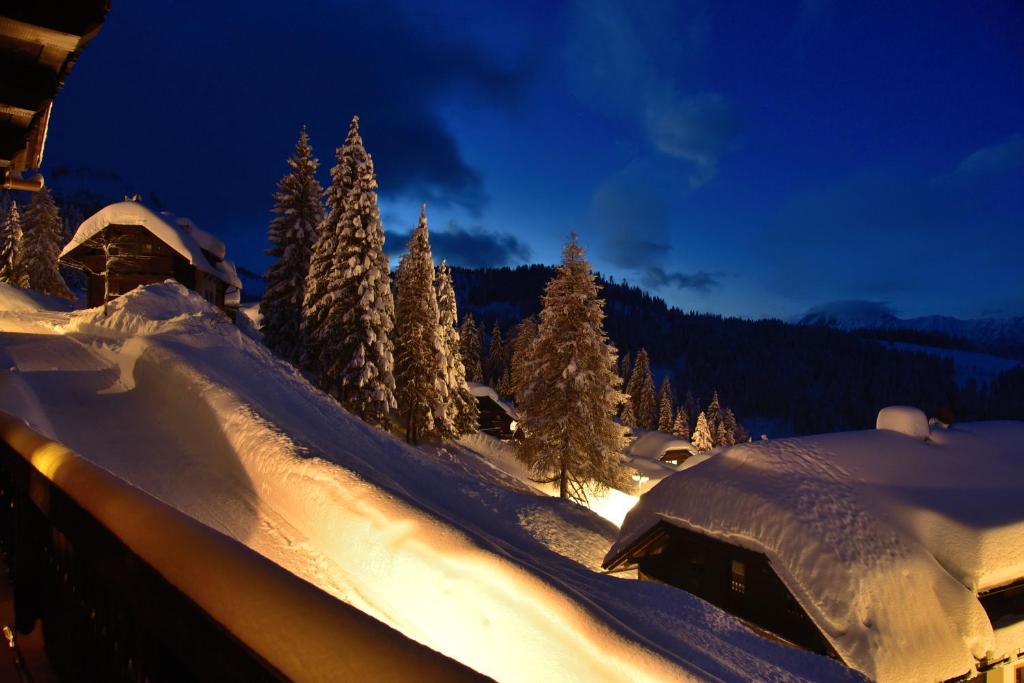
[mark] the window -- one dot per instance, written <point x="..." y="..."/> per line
<point x="739" y="577"/>
<point x="1018" y="674"/>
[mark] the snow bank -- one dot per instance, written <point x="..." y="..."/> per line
<point x="885" y="539"/>
<point x="16" y="299"/>
<point x="904" y="420"/>
<point x="167" y="395"/>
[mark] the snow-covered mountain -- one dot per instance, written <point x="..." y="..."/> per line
<point x="996" y="335"/>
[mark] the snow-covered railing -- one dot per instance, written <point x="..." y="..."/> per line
<point x="129" y="588"/>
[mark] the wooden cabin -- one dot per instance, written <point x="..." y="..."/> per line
<point x="126" y="245"/>
<point x="497" y="417"/>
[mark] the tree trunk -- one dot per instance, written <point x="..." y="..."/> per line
<point x="563" y="480"/>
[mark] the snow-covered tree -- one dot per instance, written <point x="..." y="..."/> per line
<point x="420" y="354"/>
<point x="504" y="387"/>
<point x="526" y="332"/>
<point x="627" y="416"/>
<point x="692" y="406"/>
<point x="348" y="313"/>
<point x="41" y="241"/>
<point x="461" y="403"/>
<point x="293" y="232"/>
<point x="12" y="268"/>
<point x="625" y="365"/>
<point x="702" y="440"/>
<point x="681" y="425"/>
<point x="469" y="343"/>
<point x="722" y="436"/>
<point x="641" y="392"/>
<point x="569" y="402"/>
<point x="495" y="356"/>
<point x="729" y="428"/>
<point x="665" y="406"/>
<point x="714" y="415"/>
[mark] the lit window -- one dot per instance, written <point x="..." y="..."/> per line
<point x="739" y="580"/>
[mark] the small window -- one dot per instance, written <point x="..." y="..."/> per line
<point x="1018" y="674"/>
<point x="739" y="577"/>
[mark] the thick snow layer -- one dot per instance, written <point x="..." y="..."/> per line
<point x="904" y="420"/>
<point x="652" y="445"/>
<point x="885" y="539"/>
<point x="480" y="390"/>
<point x="169" y="232"/>
<point x="165" y="393"/>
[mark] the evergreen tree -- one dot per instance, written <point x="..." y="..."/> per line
<point x="625" y="365"/>
<point x="525" y="335"/>
<point x="461" y="403"/>
<point x="722" y="436"/>
<point x="469" y="343"/>
<point x="41" y="241"/>
<point x="702" y="440"/>
<point x="420" y="363"/>
<point x="495" y="356"/>
<point x="349" y="310"/>
<point x="12" y="269"/>
<point x="665" y="406"/>
<point x="568" y="405"/>
<point x="692" y="406"/>
<point x="504" y="387"/>
<point x="641" y="391"/>
<point x="293" y="231"/>
<point x="729" y="428"/>
<point x="681" y="425"/>
<point x="627" y="416"/>
<point x="714" y="415"/>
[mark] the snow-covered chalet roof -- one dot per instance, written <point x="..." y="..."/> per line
<point x="480" y="390"/>
<point x="884" y="538"/>
<point x="181" y="235"/>
<point x="652" y="445"/>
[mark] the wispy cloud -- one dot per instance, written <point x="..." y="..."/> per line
<point x="700" y="281"/>
<point x="1002" y="156"/>
<point x="473" y="247"/>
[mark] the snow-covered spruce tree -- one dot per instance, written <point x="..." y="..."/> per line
<point x="702" y="440"/>
<point x="41" y="241"/>
<point x="12" y="269"/>
<point x="526" y="332"/>
<point x="681" y="425"/>
<point x="729" y="428"/>
<point x="504" y="387"/>
<point x="641" y="391"/>
<point x="722" y="436"/>
<point x="420" y="354"/>
<point x="665" y="407"/>
<point x="348" y="313"/>
<point x="627" y="417"/>
<point x="714" y="415"/>
<point x="495" y="356"/>
<point x="461" y="403"/>
<point x="293" y="232"/>
<point x="469" y="344"/>
<point x="692" y="406"/>
<point x="625" y="365"/>
<point x="569" y="402"/>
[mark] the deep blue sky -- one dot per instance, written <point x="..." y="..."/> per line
<point x="742" y="158"/>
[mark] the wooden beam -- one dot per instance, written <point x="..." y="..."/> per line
<point x="39" y="35"/>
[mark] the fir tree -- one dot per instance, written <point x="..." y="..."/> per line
<point x="681" y="425"/>
<point x="641" y="391"/>
<point x="461" y="403"/>
<point x="469" y="343"/>
<point x="692" y="406"/>
<point x="625" y="365"/>
<point x="41" y="241"/>
<point x="722" y="436"/>
<point x="627" y="416"/>
<point x="665" y="406"/>
<point x="12" y="270"/>
<point x="568" y="405"/>
<point x="714" y="415"/>
<point x="702" y="440"/>
<point x="729" y="428"/>
<point x="293" y="231"/>
<point x="504" y="387"/>
<point x="495" y="356"/>
<point x="349" y="309"/>
<point x="420" y="364"/>
<point x="526" y="333"/>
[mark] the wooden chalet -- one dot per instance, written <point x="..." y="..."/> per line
<point x="497" y="417"/>
<point x="39" y="42"/>
<point x="126" y="245"/>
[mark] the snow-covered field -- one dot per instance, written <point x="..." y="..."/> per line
<point x="439" y="543"/>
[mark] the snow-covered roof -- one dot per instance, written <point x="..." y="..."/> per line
<point x="481" y="390"/>
<point x="181" y="235"/>
<point x="652" y="445"/>
<point x="884" y="538"/>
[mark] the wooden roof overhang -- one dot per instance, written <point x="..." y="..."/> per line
<point x="39" y="42"/>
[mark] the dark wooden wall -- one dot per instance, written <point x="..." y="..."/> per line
<point x="493" y="419"/>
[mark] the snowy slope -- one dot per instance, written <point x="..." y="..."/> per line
<point x="167" y="394"/>
<point x="967" y="365"/>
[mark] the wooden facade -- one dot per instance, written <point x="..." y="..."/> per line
<point x="494" y="419"/>
<point x="737" y="580"/>
<point x="132" y="257"/>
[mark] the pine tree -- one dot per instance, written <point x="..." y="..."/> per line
<point x="461" y="403"/>
<point x="692" y="406"/>
<point x="298" y="214"/>
<point x="729" y="428"/>
<point x="12" y="269"/>
<point x="702" y="440"/>
<point x="625" y="365"/>
<point x="568" y="406"/>
<point x="495" y="356"/>
<point x="41" y="241"/>
<point x="714" y="415"/>
<point x="641" y="391"/>
<point x="504" y="387"/>
<point x="526" y="333"/>
<point x="469" y="343"/>
<point x="722" y="436"/>
<point x="627" y="417"/>
<point x="420" y="363"/>
<point x="681" y="425"/>
<point x="349" y="310"/>
<point x="665" y="406"/>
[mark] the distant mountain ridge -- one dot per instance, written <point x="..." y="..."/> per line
<point x="1000" y="336"/>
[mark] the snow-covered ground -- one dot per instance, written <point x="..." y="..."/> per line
<point x="967" y="365"/>
<point x="437" y="542"/>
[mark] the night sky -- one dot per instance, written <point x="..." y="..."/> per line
<point x="751" y="159"/>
